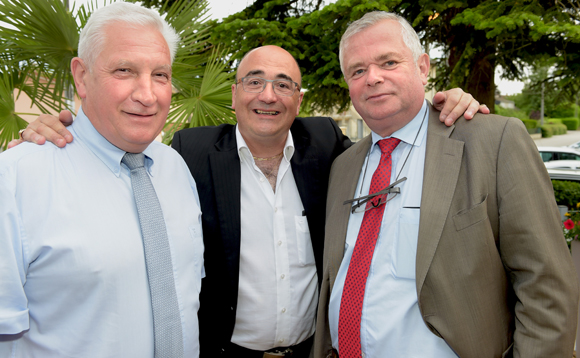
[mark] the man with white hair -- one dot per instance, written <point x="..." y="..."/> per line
<point x="440" y="241"/>
<point x="101" y="251"/>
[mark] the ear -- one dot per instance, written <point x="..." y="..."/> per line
<point x="234" y="96"/>
<point x="79" y="71"/>
<point x="300" y="96"/>
<point x="423" y="64"/>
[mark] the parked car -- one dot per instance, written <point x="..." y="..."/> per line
<point x="558" y="153"/>
<point x="564" y="174"/>
<point x="575" y="146"/>
<point x="563" y="164"/>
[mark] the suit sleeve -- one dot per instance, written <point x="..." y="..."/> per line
<point x="176" y="142"/>
<point x="533" y="250"/>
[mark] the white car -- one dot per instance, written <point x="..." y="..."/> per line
<point x="558" y="153"/>
<point x="563" y="164"/>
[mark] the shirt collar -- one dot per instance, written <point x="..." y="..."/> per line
<point x="408" y="133"/>
<point x="244" y="151"/>
<point x="109" y="154"/>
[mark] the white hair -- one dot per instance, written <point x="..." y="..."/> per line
<point x="410" y="37"/>
<point x="92" y="36"/>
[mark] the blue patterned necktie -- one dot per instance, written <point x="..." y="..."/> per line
<point x="166" y="317"/>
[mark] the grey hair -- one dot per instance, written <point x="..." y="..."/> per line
<point x="92" y="36"/>
<point x="410" y="37"/>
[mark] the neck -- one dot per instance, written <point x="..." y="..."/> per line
<point x="265" y="148"/>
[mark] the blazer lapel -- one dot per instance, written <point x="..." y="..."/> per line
<point x="338" y="216"/>
<point x="304" y="164"/>
<point x="442" y="164"/>
<point x="226" y="182"/>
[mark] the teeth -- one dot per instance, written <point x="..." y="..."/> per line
<point x="267" y="112"/>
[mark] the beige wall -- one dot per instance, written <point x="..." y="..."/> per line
<point x="23" y="102"/>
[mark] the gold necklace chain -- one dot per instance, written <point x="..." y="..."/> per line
<point x="270" y="158"/>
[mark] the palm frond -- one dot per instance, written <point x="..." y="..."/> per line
<point x="209" y="104"/>
<point x="10" y="121"/>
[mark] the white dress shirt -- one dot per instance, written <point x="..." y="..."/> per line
<point x="391" y="324"/>
<point x="72" y="267"/>
<point x="278" y="285"/>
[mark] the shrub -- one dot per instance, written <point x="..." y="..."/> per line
<point x="566" y="192"/>
<point x="553" y="129"/>
<point x="571" y="123"/>
<point x="511" y="112"/>
<point x="530" y="123"/>
<point x="547" y="131"/>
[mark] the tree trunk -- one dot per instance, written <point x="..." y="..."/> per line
<point x="480" y="81"/>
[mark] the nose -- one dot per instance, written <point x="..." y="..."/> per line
<point x="374" y="75"/>
<point x="144" y="92"/>
<point x="268" y="95"/>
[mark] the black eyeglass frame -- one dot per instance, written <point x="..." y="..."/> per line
<point x="296" y="85"/>
<point x="364" y="199"/>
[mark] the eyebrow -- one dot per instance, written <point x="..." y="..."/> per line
<point x="383" y="57"/>
<point x="130" y="63"/>
<point x="260" y="72"/>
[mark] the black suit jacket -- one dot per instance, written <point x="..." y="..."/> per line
<point x="212" y="156"/>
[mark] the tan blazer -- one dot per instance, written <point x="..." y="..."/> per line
<point x="494" y="275"/>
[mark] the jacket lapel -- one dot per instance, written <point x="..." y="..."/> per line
<point x="337" y="219"/>
<point x="304" y="164"/>
<point x="226" y="183"/>
<point x="442" y="164"/>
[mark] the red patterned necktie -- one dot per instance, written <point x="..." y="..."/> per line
<point x="353" y="292"/>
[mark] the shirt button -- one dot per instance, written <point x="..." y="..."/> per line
<point x="283" y="310"/>
<point x="282" y="276"/>
<point x="276" y="209"/>
<point x="280" y="243"/>
<point x="281" y="340"/>
<point x="262" y="179"/>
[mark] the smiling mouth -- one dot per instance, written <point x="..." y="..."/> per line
<point x="272" y="113"/>
<point x="141" y="114"/>
<point x="379" y="95"/>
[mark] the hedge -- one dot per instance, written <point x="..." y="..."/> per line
<point x="549" y="130"/>
<point x="571" y="123"/>
<point x="566" y="193"/>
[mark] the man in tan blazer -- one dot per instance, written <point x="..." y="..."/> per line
<point x="467" y="257"/>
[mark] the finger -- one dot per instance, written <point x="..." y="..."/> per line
<point x="13" y="143"/>
<point x="65" y="117"/>
<point x="452" y="98"/>
<point x="471" y="109"/>
<point x="484" y="109"/>
<point x="466" y="105"/>
<point x="47" y="127"/>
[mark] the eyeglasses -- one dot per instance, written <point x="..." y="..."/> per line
<point x="384" y="196"/>
<point x="284" y="88"/>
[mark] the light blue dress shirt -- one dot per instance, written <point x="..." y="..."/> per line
<point x="72" y="266"/>
<point x="391" y="324"/>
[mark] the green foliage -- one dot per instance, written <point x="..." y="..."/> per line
<point x="530" y="123"/>
<point x="566" y="192"/>
<point x="571" y="123"/>
<point x="549" y="130"/>
<point x="511" y="112"/>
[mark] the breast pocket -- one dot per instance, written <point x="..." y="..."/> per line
<point x="303" y="241"/>
<point x="405" y="248"/>
<point x="469" y="217"/>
